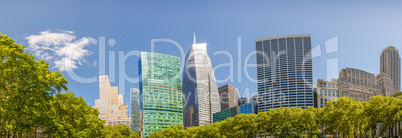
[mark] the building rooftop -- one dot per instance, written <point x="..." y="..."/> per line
<point x="283" y="36"/>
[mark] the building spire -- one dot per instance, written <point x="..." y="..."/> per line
<point x="194" y="37"/>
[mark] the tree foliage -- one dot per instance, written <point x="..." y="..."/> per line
<point x="25" y="89"/>
<point x="31" y="100"/>
<point x="70" y="116"/>
<point x="343" y="117"/>
<point x="120" y="131"/>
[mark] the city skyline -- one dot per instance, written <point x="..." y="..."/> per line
<point x="201" y="69"/>
<point x="355" y="34"/>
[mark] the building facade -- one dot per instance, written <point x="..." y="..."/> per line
<point x="110" y="106"/>
<point x="233" y="111"/>
<point x="386" y="84"/>
<point x="390" y="63"/>
<point x="254" y="98"/>
<point x="326" y="90"/>
<point x="135" y="110"/>
<point x="200" y="91"/>
<point x="284" y="72"/>
<point x="243" y="100"/>
<point x="228" y="95"/>
<point x="357" y="84"/>
<point x="161" y="91"/>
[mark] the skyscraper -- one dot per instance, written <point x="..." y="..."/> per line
<point x="228" y="95"/>
<point x="135" y="109"/>
<point x="284" y="72"/>
<point x="110" y="105"/>
<point x="161" y="91"/>
<point x="390" y="63"/>
<point x="199" y="87"/>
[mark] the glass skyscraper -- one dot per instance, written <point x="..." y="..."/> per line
<point x="284" y="72"/>
<point x="161" y="91"/>
<point x="200" y="91"/>
<point x="135" y="110"/>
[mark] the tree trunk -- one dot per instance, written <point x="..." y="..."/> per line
<point x="389" y="131"/>
<point x="36" y="129"/>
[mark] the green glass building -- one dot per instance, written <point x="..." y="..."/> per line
<point x="161" y="91"/>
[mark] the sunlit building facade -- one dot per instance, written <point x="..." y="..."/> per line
<point x="326" y="90"/>
<point x="200" y="91"/>
<point x="390" y="64"/>
<point x="110" y="104"/>
<point x="357" y="84"/>
<point x="161" y="91"/>
<point x="284" y="72"/>
<point x="386" y="84"/>
<point x="228" y="95"/>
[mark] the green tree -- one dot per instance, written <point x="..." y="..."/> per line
<point x="385" y="112"/>
<point x="310" y="121"/>
<point x="242" y="126"/>
<point x="173" y="131"/>
<point x="26" y="86"/>
<point x="72" y="117"/>
<point x="120" y="131"/>
<point x="344" y="117"/>
<point x="207" y="131"/>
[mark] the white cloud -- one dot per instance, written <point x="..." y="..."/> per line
<point x="60" y="48"/>
<point x="65" y="64"/>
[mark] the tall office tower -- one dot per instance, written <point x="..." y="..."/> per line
<point x="386" y="84"/>
<point x="357" y="84"/>
<point x="135" y="110"/>
<point x="243" y="100"/>
<point x="284" y="72"/>
<point x="326" y="90"/>
<point x="110" y="107"/>
<point x="228" y="95"/>
<point x="390" y="63"/>
<point x="161" y="91"/>
<point x="199" y="88"/>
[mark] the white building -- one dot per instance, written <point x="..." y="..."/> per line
<point x="201" y="95"/>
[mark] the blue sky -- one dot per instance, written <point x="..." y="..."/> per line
<point x="364" y="29"/>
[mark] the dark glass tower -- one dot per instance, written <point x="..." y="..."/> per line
<point x="284" y="72"/>
<point x="135" y="110"/>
